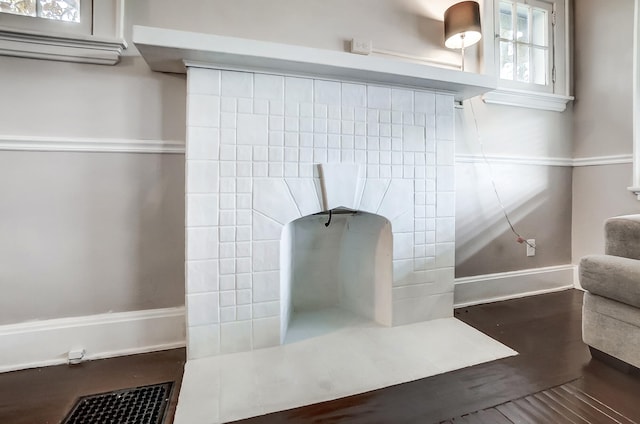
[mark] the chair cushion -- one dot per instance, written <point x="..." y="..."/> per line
<point x="612" y="277"/>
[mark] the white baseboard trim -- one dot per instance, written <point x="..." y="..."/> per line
<point x="89" y="145"/>
<point x="512" y="285"/>
<point x="45" y="343"/>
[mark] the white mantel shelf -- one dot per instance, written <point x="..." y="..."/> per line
<point x="167" y="50"/>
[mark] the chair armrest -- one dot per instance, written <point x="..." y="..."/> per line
<point x="622" y="236"/>
<point x="612" y="277"/>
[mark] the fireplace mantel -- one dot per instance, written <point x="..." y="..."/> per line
<point x="167" y="50"/>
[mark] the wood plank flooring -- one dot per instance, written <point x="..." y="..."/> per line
<point x="545" y="330"/>
<point x="566" y="404"/>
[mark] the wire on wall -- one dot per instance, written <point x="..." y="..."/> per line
<point x="519" y="238"/>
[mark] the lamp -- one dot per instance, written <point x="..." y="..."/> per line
<point x="462" y="26"/>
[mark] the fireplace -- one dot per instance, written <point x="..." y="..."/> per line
<point x="264" y="150"/>
<point x="278" y="136"/>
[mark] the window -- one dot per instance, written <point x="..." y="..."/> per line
<point x="529" y="49"/>
<point x="523" y="42"/>
<point x="52" y="16"/>
<point x="60" y="10"/>
<point x="67" y="30"/>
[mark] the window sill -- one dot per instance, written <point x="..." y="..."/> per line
<point x="66" y="48"/>
<point x="528" y="99"/>
<point x="635" y="190"/>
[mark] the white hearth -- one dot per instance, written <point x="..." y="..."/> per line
<point x="267" y="150"/>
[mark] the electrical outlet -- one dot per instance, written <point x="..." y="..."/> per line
<point x="531" y="247"/>
<point x="361" y="46"/>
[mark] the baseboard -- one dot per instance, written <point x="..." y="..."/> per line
<point x="44" y="343"/>
<point x="512" y="285"/>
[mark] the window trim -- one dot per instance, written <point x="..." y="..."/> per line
<point x="506" y="94"/>
<point x="635" y="188"/>
<point x="104" y="46"/>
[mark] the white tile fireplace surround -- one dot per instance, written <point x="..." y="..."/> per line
<point x="279" y="135"/>
<point x="265" y="150"/>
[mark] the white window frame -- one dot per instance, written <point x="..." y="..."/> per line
<point x="554" y="97"/>
<point x="519" y="85"/>
<point x="98" y="41"/>
<point x="635" y="188"/>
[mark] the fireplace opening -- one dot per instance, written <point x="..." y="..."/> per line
<point x="335" y="271"/>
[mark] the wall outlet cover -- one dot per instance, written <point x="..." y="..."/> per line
<point x="361" y="46"/>
<point x="531" y="247"/>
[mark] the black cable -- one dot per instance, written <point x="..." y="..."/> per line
<point x="329" y="221"/>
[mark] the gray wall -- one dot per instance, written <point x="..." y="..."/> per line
<point x="140" y="196"/>
<point x="602" y="77"/>
<point x="59" y="99"/>
<point x="537" y="198"/>
<point x="602" y="118"/>
<point x="599" y="193"/>
<point x="401" y="25"/>
<point x="87" y="233"/>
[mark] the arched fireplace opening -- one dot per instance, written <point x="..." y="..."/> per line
<point x="335" y="271"/>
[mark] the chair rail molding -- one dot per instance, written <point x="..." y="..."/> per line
<point x="89" y="145"/>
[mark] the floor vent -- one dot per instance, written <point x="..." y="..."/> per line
<point x="139" y="405"/>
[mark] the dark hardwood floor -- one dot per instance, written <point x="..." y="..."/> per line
<point x="46" y="395"/>
<point x="545" y="330"/>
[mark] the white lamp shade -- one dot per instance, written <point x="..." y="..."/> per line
<point x="462" y="25"/>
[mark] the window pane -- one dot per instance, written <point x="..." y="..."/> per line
<point x="19" y="7"/>
<point x="523" y="24"/>
<point x="539" y="66"/>
<point x="506" y="60"/>
<point x="539" y="27"/>
<point x="61" y="10"/>
<point x="522" y="73"/>
<point x="506" y="20"/>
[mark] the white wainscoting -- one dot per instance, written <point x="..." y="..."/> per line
<point x="48" y="342"/>
<point x="512" y="285"/>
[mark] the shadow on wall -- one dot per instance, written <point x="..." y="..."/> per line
<point x="538" y="201"/>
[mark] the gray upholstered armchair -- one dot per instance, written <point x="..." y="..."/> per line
<point x="611" y="310"/>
